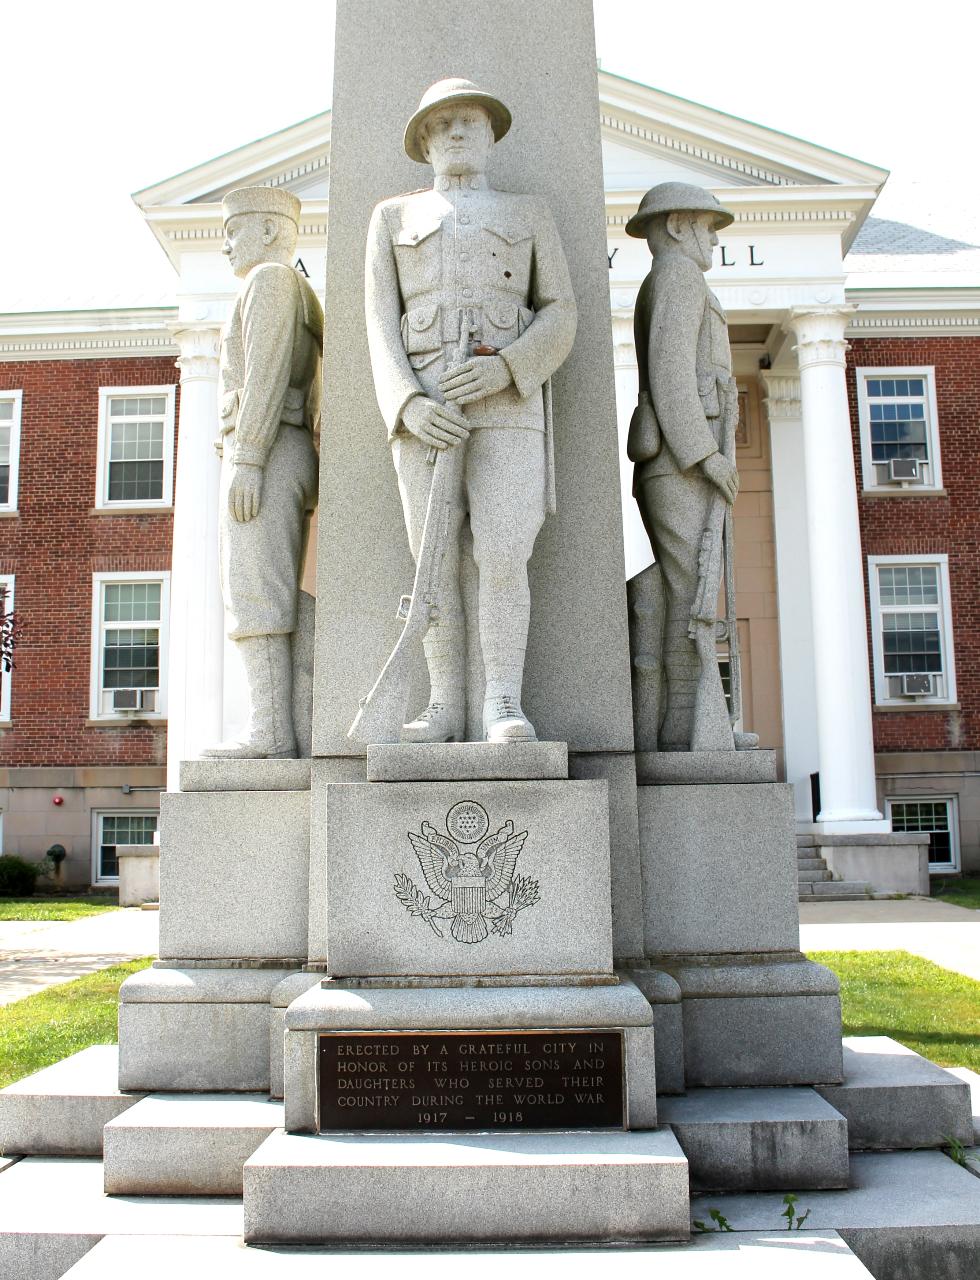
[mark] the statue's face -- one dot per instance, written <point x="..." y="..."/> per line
<point x="693" y="233"/>
<point x="247" y="241"/>
<point x="458" y="139"/>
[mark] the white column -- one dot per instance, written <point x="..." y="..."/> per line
<point x="840" y="638"/>
<point x="800" y="744"/>
<point x="195" y="696"/>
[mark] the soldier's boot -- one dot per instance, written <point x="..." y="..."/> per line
<point x="503" y="718"/>
<point x="444" y="719"/>
<point x="268" y="664"/>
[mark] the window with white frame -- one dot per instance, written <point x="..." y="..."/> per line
<point x="912" y="630"/>
<point x="113" y="830"/>
<point x="899" y="429"/>
<point x="10" y="407"/>
<point x="6" y="671"/>
<point x="129" y="645"/>
<point x="937" y="817"/>
<point x="136" y="447"/>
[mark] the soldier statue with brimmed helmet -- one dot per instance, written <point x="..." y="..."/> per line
<point x="682" y="444"/>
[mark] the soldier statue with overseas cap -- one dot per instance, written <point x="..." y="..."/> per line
<point x="270" y="376"/>
<point x="682" y="442"/>
<point x="469" y="312"/>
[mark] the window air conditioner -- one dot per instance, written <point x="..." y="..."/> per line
<point x="134" y="700"/>
<point x="903" y="470"/>
<point x="917" y="686"/>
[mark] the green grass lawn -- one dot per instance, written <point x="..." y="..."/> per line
<point x="963" y="892"/>
<point x="52" y="908"/>
<point x="892" y="993"/>
<point x="42" y="1029"/>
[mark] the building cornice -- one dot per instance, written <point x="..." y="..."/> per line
<point x="80" y="335"/>
<point x="182" y="227"/>
<point x="927" y="312"/>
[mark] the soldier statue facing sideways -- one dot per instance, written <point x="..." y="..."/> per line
<point x="270" y="376"/>
<point x="469" y="312"/>
<point x="682" y="442"/>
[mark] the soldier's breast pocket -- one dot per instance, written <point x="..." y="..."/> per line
<point x="418" y="257"/>
<point x="508" y="244"/>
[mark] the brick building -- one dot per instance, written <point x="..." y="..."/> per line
<point x="856" y="340"/>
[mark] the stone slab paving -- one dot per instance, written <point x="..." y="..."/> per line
<point x="37" y="954"/>
<point x="817" y="1255"/>
<point x="938" y="931"/>
<point x="908" y="1215"/>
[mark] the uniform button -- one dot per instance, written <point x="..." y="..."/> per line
<point x="467" y="293"/>
<point x="464" y="257"/>
<point x="464" y="217"/>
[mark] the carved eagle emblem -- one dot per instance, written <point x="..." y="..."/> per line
<point x="470" y="875"/>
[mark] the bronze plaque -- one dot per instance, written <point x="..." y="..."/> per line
<point x="455" y="1080"/>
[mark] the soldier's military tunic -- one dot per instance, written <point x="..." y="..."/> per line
<point x="683" y="355"/>
<point x="270" y="376"/>
<point x="437" y="260"/>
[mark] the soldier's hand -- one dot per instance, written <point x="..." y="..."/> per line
<point x="438" y="425"/>
<point x="722" y="473"/>
<point x="245" y="494"/>
<point x="475" y="379"/>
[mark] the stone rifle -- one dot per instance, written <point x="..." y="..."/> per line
<point x="717" y="542"/>
<point x="382" y="712"/>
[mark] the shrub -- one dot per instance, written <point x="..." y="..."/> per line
<point x="18" y="877"/>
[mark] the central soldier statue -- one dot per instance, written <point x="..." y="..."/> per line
<point x="469" y="312"/>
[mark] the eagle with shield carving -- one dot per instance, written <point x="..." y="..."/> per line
<point x="470" y="875"/>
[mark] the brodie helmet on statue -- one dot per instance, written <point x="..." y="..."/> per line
<point x="676" y="197"/>
<point x="453" y="90"/>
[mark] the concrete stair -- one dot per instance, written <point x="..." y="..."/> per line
<point x="816" y="880"/>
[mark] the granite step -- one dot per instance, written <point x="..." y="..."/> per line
<point x="187" y="1144"/>
<point x="814" y="874"/>
<point x="908" y="1215"/>
<point x="759" y="1139"/>
<point x="810" y="864"/>
<point x="467" y="1188"/>
<point x="62" y="1110"/>
<point x="53" y="1211"/>
<point x="894" y="1099"/>
<point x="818" y="1255"/>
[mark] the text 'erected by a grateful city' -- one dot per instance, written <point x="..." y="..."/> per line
<point x="471" y="1080"/>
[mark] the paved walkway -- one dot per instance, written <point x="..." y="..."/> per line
<point x="35" y="954"/>
<point x="937" y="931"/>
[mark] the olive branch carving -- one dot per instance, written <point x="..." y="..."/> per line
<point x="411" y="898"/>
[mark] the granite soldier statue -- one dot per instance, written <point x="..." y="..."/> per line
<point x="469" y="312"/>
<point x="682" y="442"/>
<point x="270" y="374"/>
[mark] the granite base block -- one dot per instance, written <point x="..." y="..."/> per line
<point x="489" y="1187"/>
<point x="894" y="1099"/>
<point x="174" y="1145"/>
<point x="759" y="1139"/>
<point x="664" y="996"/>
<point x="909" y="1215"/>
<point x="733" y="846"/>
<point x="245" y="775"/>
<point x="234" y="874"/>
<point x="466" y="761"/>
<point x="972" y="1080"/>
<point x="280" y="1000"/>
<point x="332" y="1008"/>
<point x="196" y="1030"/>
<point x="61" y="1111"/>
<point x="378" y="889"/>
<point x="704" y="768"/>
<point x="765" y="1022"/>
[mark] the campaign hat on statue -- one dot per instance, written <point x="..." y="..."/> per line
<point x="454" y="90"/>
<point x="676" y="197"/>
<point x="261" y="200"/>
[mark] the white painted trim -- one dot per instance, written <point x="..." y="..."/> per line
<point x="17" y="399"/>
<point x="97" y="816"/>
<point x="936" y="868"/>
<point x="6" y="677"/>
<point x="102" y="502"/>
<point x="941" y="560"/>
<point x="95" y="682"/>
<point x="862" y="374"/>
